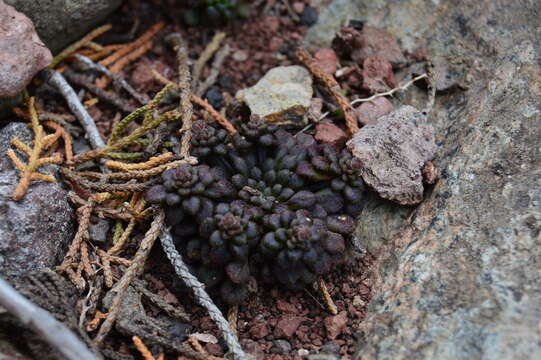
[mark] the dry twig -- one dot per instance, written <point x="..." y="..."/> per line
<point x="334" y="88"/>
<point x="53" y="331"/>
<point x="79" y="44"/>
<point x="136" y="266"/>
<point x="327" y="297"/>
<point x="141" y="347"/>
<point x="215" y="114"/>
<point x="41" y="142"/>
<point x="75" y="105"/>
<point x="205" y="56"/>
<point x="200" y="294"/>
<point x="214" y="70"/>
<point x="152" y="162"/>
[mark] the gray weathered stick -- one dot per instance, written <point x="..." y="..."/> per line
<point x="54" y="332"/>
<point x="200" y="294"/>
<point x="57" y="80"/>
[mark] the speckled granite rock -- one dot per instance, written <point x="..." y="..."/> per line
<point x="458" y="276"/>
<point x="35" y="231"/>
<point x="61" y="22"/>
<point x="22" y="54"/>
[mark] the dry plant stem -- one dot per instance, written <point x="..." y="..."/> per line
<point x="54" y="332"/>
<point x="41" y="142"/>
<point x="334" y="88"/>
<point x="133" y="45"/>
<point x="77" y="45"/>
<point x="101" y="187"/>
<point x="141" y="347"/>
<point x="152" y="162"/>
<point x="215" y="115"/>
<point x="121" y="126"/>
<point x="179" y="45"/>
<point x="119" y="244"/>
<point x="75" y="105"/>
<point x="106" y="96"/>
<point x="232" y="317"/>
<point x="214" y="71"/>
<point x="129" y="139"/>
<point x="390" y="92"/>
<point x="176" y="312"/>
<point x="138" y="52"/>
<point x="81" y="235"/>
<point x="117" y="79"/>
<point x="200" y="294"/>
<point x="205" y="56"/>
<point x="136" y="266"/>
<point x="68" y="141"/>
<point x="136" y="174"/>
<point x="327" y="297"/>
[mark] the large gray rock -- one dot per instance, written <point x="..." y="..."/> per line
<point x="458" y="276"/>
<point x="35" y="231"/>
<point x="22" y="54"/>
<point x="61" y="22"/>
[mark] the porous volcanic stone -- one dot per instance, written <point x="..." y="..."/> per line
<point x="458" y="276"/>
<point x="61" y="22"/>
<point x="35" y="231"/>
<point x="22" y="54"/>
<point x="392" y="153"/>
<point x="282" y="96"/>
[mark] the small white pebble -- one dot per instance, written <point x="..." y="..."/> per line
<point x="303" y="352"/>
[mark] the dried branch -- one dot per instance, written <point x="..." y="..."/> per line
<point x="58" y="81"/>
<point x="179" y="45"/>
<point x="390" y="92"/>
<point x="79" y="44"/>
<point x="205" y="56"/>
<point x="141" y="347"/>
<point x="68" y="141"/>
<point x="176" y="312"/>
<point x="136" y="174"/>
<point x="152" y="162"/>
<point x="215" y="115"/>
<point x="117" y="79"/>
<point x="129" y="139"/>
<point x="327" y="297"/>
<point x="133" y="45"/>
<point x="200" y="294"/>
<point x="136" y="266"/>
<point x="121" y="126"/>
<point x="42" y="141"/>
<point x="333" y="87"/>
<point x="54" y="332"/>
<point x="214" y="70"/>
<point x="109" y="97"/>
<point x="101" y="187"/>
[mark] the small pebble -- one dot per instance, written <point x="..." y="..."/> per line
<point x="309" y="16"/>
<point x="215" y="98"/>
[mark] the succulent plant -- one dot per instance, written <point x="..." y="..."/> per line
<point x="265" y="204"/>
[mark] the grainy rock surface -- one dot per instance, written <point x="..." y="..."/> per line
<point x="61" y="22"/>
<point x="458" y="276"/>
<point x="22" y="54"/>
<point x="393" y="151"/>
<point x="282" y="96"/>
<point x="35" y="231"/>
<point x="369" y="112"/>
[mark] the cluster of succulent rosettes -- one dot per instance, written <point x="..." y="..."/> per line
<point x="267" y="205"/>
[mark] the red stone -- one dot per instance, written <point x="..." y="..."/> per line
<point x="259" y="331"/>
<point x="285" y="306"/>
<point x="378" y="74"/>
<point x="330" y="134"/>
<point x="287" y="325"/>
<point x="368" y="112"/>
<point x="271" y="23"/>
<point x="373" y="41"/>
<point x="335" y="324"/>
<point x="327" y="59"/>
